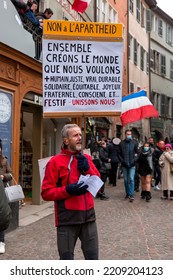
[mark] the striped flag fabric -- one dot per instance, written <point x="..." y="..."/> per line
<point x="80" y="5"/>
<point x="137" y="106"/>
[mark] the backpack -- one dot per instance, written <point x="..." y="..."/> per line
<point x="5" y="210"/>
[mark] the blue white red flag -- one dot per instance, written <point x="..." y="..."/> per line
<point x="137" y="106"/>
<point x="80" y="5"/>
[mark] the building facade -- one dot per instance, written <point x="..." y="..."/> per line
<point x="161" y="71"/>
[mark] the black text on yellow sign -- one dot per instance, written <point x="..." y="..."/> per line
<point x="87" y="29"/>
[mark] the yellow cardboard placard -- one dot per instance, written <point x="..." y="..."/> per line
<point x="87" y="29"/>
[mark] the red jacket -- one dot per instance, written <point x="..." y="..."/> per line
<point x="68" y="209"/>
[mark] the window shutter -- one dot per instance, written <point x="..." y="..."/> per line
<point x="148" y="20"/>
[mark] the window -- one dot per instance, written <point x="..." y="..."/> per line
<point x="99" y="10"/>
<point x="112" y="15"/>
<point x="160" y="27"/>
<point x="142" y="16"/>
<point x="138" y="10"/>
<point x="131" y="87"/>
<point x="155" y="99"/>
<point x="147" y="62"/>
<point x="163" y="105"/>
<point x="169" y="35"/>
<point x="148" y="20"/>
<point x="135" y="52"/>
<point x="142" y="59"/>
<point x="171" y="69"/>
<point x="130" y="45"/>
<point x="103" y="11"/>
<point x="131" y="6"/>
<point x="156" y="61"/>
<point x="168" y="107"/>
<point x="163" y="65"/>
<point x="151" y="60"/>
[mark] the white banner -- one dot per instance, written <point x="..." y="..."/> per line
<point x="69" y="270"/>
<point x="82" y="76"/>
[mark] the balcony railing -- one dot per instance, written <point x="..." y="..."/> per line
<point x="36" y="35"/>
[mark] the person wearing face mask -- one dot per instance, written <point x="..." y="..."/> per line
<point x="156" y="155"/>
<point x="128" y="155"/>
<point x="145" y="170"/>
<point x="167" y="176"/>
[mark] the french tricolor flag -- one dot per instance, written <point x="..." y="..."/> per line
<point x="80" y="5"/>
<point x="137" y="106"/>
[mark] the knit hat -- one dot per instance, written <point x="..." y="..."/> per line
<point x="116" y="141"/>
<point x="169" y="146"/>
<point x="0" y="144"/>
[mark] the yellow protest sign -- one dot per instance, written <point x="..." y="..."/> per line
<point x="84" y="29"/>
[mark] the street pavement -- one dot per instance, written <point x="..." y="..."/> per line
<point x="127" y="231"/>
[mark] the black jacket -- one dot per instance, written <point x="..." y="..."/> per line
<point x="145" y="163"/>
<point x="156" y="155"/>
<point x="129" y="152"/>
<point x="113" y="152"/>
<point x="103" y="154"/>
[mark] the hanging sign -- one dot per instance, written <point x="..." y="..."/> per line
<point x="82" y="77"/>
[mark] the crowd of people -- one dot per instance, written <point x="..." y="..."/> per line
<point x="143" y="165"/>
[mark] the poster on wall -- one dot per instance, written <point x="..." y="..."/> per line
<point x="82" y="76"/>
<point x="6" y="123"/>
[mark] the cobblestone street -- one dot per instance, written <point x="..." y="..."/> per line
<point x="127" y="231"/>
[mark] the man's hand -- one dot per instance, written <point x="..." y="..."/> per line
<point x="76" y="189"/>
<point x="83" y="164"/>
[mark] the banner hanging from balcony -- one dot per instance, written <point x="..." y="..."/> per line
<point x="84" y="76"/>
<point x="137" y="106"/>
<point x="80" y="5"/>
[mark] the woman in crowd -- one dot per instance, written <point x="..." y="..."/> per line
<point x="166" y="174"/>
<point x="145" y="169"/>
<point x="156" y="155"/>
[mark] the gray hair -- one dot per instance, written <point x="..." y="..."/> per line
<point x="64" y="131"/>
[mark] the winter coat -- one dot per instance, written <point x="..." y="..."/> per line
<point x="156" y="155"/>
<point x="145" y="165"/>
<point x="96" y="159"/>
<point x="5" y="170"/>
<point x="166" y="175"/>
<point x="30" y="15"/>
<point x="103" y="155"/>
<point x="129" y="152"/>
<point x="113" y="152"/>
<point x="61" y="171"/>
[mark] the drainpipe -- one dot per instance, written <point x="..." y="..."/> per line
<point x="128" y="46"/>
<point x="149" y="73"/>
<point x="95" y="11"/>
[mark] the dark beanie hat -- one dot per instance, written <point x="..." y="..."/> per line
<point x="1" y="144"/>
